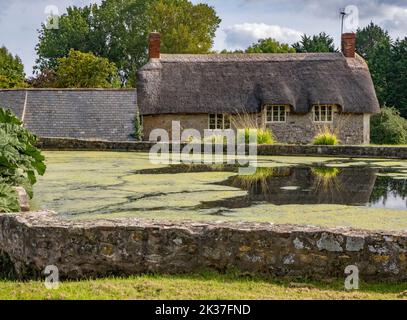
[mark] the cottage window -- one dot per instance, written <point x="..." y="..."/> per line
<point x="219" y="121"/>
<point x="276" y="113"/>
<point x="323" y="113"/>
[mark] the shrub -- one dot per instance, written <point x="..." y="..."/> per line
<point x="138" y="127"/>
<point x="388" y="127"/>
<point x="325" y="138"/>
<point x="20" y="160"/>
<point x="8" y="198"/>
<point x="264" y="136"/>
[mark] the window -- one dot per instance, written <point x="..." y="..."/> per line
<point x="323" y="113"/>
<point x="219" y="121"/>
<point x="276" y="113"/>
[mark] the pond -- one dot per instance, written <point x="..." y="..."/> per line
<point x="360" y="193"/>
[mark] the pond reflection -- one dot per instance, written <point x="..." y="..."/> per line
<point x="354" y="186"/>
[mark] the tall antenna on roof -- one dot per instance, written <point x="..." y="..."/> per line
<point x="343" y="14"/>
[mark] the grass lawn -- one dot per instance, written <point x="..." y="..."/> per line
<point x="201" y="286"/>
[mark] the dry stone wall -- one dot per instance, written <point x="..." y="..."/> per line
<point x="81" y="249"/>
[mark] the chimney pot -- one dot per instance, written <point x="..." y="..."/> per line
<point x="154" y="44"/>
<point x="349" y="45"/>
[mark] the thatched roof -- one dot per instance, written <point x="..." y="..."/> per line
<point x="101" y="114"/>
<point x="237" y="83"/>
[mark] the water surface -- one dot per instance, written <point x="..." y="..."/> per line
<point x="361" y="193"/>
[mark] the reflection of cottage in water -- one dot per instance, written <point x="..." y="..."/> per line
<point x="304" y="185"/>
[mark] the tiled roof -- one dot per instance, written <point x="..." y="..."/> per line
<point x="84" y="114"/>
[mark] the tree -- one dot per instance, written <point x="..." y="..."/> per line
<point x="120" y="34"/>
<point x="396" y="92"/>
<point x="118" y="30"/>
<point x="317" y="43"/>
<point x="11" y="70"/>
<point x="73" y="33"/>
<point x="45" y="79"/>
<point x="269" y="45"/>
<point x="184" y="27"/>
<point x="84" y="70"/>
<point x="388" y="127"/>
<point x="374" y="45"/>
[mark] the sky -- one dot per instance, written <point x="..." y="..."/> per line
<point x="243" y="21"/>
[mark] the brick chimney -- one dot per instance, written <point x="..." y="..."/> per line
<point x="154" y="43"/>
<point x="349" y="44"/>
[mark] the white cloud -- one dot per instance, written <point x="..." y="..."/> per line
<point x="240" y="36"/>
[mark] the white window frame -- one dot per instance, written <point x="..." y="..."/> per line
<point x="319" y="107"/>
<point x="270" y="108"/>
<point x="218" y="115"/>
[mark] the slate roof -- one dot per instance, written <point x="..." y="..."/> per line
<point x="237" y="83"/>
<point x="99" y="114"/>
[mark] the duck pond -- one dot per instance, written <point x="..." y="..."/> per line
<point x="330" y="192"/>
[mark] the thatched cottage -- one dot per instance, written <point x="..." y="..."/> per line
<point x="295" y="95"/>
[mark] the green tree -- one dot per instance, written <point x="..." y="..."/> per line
<point x="84" y="70"/>
<point x="388" y="127"/>
<point x="11" y="70"/>
<point x="74" y="32"/>
<point x="374" y="45"/>
<point x="120" y="34"/>
<point x="396" y="91"/>
<point x="317" y="43"/>
<point x="184" y="27"/>
<point x="118" y="30"/>
<point x="270" y="45"/>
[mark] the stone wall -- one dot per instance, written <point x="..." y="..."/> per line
<point x="298" y="128"/>
<point x="264" y="150"/>
<point x="30" y="242"/>
<point x="198" y="122"/>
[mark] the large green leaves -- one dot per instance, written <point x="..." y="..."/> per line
<point x="20" y="160"/>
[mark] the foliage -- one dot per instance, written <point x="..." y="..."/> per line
<point x="118" y="30"/>
<point x="264" y="136"/>
<point x="11" y="70"/>
<point x="396" y="91"/>
<point x="138" y="127"/>
<point x="317" y="43"/>
<point x="45" y="79"/>
<point x="20" y="160"/>
<point x="270" y="45"/>
<point x="325" y="138"/>
<point x="84" y="70"/>
<point x="387" y="61"/>
<point x="388" y="186"/>
<point x="8" y="198"/>
<point x="325" y="172"/>
<point x="374" y="45"/>
<point x="184" y="27"/>
<point x="388" y="127"/>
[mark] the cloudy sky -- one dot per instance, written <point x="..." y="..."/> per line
<point x="243" y="21"/>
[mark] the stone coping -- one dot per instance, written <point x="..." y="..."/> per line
<point x="264" y="150"/>
<point x="129" y="246"/>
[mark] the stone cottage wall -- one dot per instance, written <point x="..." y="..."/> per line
<point x="197" y="121"/>
<point x="298" y="129"/>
